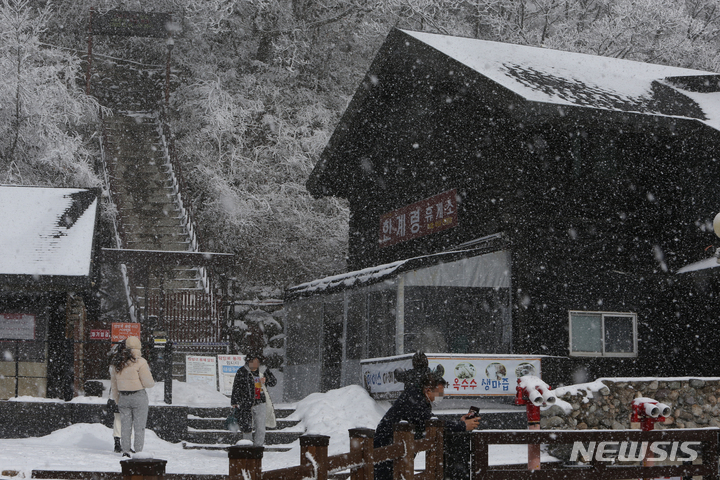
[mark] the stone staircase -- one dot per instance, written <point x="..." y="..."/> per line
<point x="206" y="430"/>
<point x="140" y="175"/>
<point x="150" y="216"/>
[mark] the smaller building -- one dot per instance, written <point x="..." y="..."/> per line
<point x="48" y="281"/>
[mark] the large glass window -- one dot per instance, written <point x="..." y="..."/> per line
<point x="603" y="334"/>
<point x="456" y="320"/>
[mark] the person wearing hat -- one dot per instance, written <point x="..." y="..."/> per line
<point x="250" y="398"/>
<point x="415" y="407"/>
<point x="129" y="377"/>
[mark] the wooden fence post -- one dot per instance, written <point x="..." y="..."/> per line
<point x="434" y="460"/>
<point x="404" y="467"/>
<point x="314" y="451"/>
<point x="143" y="468"/>
<point x="245" y="460"/>
<point x="361" y="449"/>
<point x="479" y="456"/>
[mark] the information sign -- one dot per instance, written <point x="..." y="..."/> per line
<point x="228" y="365"/>
<point x="121" y="331"/>
<point x="201" y="371"/>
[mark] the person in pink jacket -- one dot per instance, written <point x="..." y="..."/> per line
<point x="129" y="376"/>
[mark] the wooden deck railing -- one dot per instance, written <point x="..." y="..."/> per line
<point x="245" y="462"/>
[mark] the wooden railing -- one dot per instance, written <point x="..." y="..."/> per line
<point x="245" y="462"/>
<point x="188" y="316"/>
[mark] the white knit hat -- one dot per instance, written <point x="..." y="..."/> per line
<point x="133" y="343"/>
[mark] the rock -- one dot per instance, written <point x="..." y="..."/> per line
<point x="552" y="422"/>
<point x="697" y="383"/>
<point x="674" y="385"/>
<point x="553" y="411"/>
<point x="661" y="394"/>
<point x="604" y="391"/>
<point x="582" y="426"/>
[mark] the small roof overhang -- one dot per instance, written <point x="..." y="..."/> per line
<point x="47" y="237"/>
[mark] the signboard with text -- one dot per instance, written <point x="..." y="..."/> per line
<point x="228" y="365"/>
<point x="121" y="331"/>
<point x="422" y="218"/>
<point x="131" y="24"/>
<point x="17" y="326"/>
<point x="468" y="375"/>
<point x="99" y="334"/>
<point x="201" y="371"/>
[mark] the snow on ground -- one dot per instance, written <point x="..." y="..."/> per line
<point x="89" y="447"/>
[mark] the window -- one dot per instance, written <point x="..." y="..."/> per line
<point x="603" y="334"/>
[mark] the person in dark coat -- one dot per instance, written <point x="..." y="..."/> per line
<point x="420" y="367"/>
<point x="249" y="398"/>
<point x="415" y="406"/>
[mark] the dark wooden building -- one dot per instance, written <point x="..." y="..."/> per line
<point x="48" y="290"/>
<point x="598" y="177"/>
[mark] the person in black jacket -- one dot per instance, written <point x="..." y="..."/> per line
<point x="249" y="398"/>
<point x="415" y="406"/>
<point x="420" y="367"/>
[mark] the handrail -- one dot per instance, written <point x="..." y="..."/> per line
<point x="179" y="186"/>
<point x="115" y="200"/>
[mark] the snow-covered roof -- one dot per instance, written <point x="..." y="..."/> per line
<point x="46" y="231"/>
<point x="371" y="275"/>
<point x="574" y="79"/>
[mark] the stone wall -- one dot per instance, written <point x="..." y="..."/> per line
<point x="606" y="403"/>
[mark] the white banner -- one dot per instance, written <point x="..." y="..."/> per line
<point x="468" y="375"/>
<point x="201" y="370"/>
<point x="228" y="365"/>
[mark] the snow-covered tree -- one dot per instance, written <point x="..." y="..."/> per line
<point x="42" y="110"/>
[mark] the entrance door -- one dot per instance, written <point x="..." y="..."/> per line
<point x="332" y="340"/>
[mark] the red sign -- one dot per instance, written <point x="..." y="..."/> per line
<point x="422" y="218"/>
<point x="121" y="331"/>
<point x="99" y="334"/>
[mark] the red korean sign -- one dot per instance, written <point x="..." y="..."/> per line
<point x="422" y="218"/>
<point x="99" y="334"/>
<point x="121" y="331"/>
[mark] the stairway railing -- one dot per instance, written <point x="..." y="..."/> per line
<point x="115" y="199"/>
<point x="179" y="186"/>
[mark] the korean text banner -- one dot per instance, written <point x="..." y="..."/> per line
<point x="467" y="375"/>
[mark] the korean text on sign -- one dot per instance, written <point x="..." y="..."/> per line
<point x="422" y="218"/>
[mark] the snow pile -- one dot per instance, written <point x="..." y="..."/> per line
<point x="337" y="411"/>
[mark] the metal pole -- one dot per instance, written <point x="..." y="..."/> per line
<point x="17" y="367"/>
<point x="168" y="371"/>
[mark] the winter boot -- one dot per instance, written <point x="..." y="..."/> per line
<point x="117" y="445"/>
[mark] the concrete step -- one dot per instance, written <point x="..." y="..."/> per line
<point x="132" y="221"/>
<point x="206" y="429"/>
<point x="166" y="247"/>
